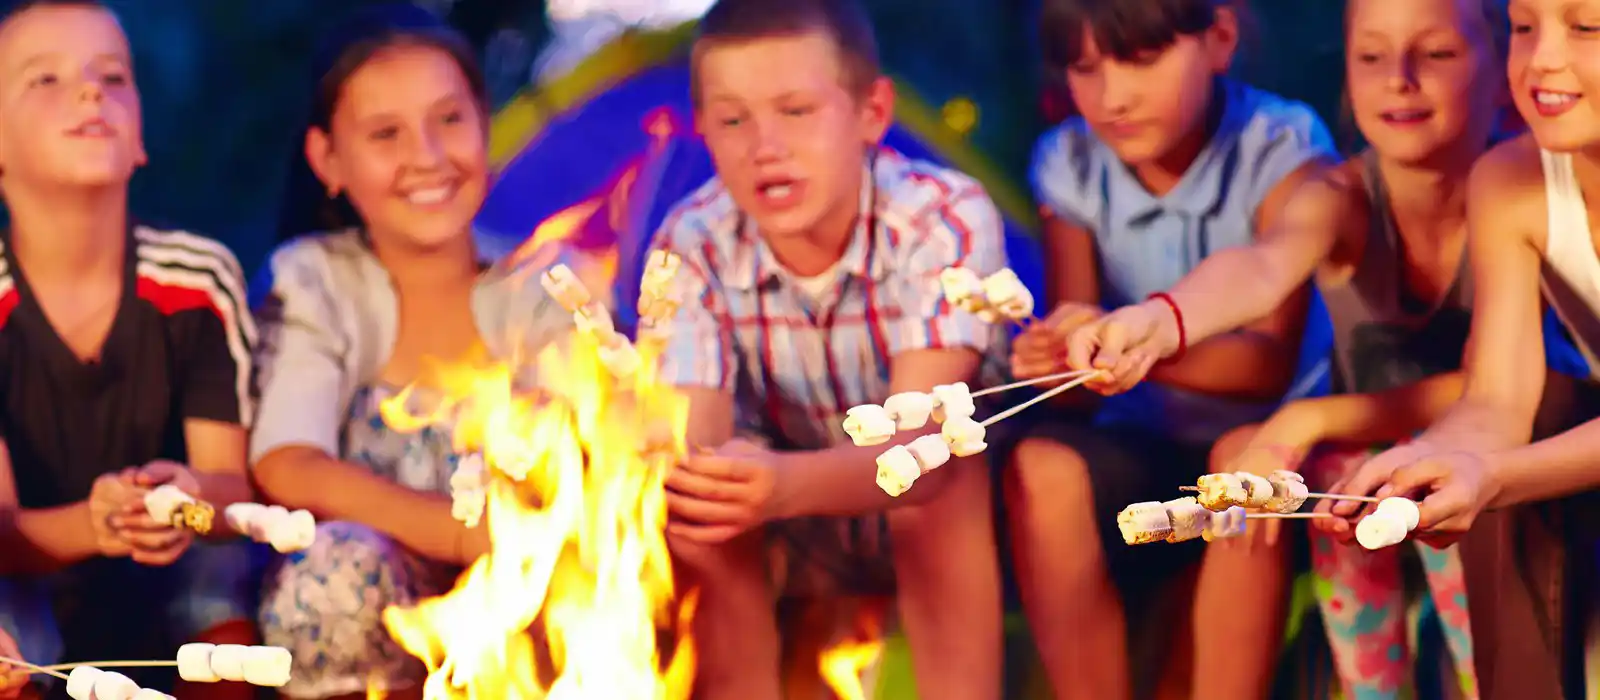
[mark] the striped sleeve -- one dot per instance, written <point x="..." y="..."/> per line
<point x="965" y="230"/>
<point x="700" y="350"/>
<point x="197" y="284"/>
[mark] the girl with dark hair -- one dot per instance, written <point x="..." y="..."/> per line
<point x="397" y="147"/>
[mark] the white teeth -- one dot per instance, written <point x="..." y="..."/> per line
<point x="432" y="195"/>
<point x="1553" y="99"/>
<point x="777" y="191"/>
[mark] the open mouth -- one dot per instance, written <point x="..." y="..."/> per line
<point x="431" y="195"/>
<point x="779" y="193"/>
<point x="1550" y="103"/>
<point x="1406" y="117"/>
<point x="94" y="128"/>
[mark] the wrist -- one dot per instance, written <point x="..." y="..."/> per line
<point x="1496" y="467"/>
<point x="1169" y="329"/>
<point x="788" y="488"/>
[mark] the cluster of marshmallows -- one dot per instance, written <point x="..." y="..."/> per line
<point x="1000" y="295"/>
<point x="197" y="663"/>
<point x="1178" y="520"/>
<point x="950" y="405"/>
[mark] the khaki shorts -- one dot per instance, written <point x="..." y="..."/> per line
<point x="829" y="556"/>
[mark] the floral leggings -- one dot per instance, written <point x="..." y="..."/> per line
<point x="1362" y="598"/>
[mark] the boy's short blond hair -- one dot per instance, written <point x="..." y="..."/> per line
<point x="844" y="22"/>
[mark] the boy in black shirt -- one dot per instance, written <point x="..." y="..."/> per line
<point x="124" y="364"/>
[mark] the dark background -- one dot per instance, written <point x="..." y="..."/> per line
<point x="225" y="82"/>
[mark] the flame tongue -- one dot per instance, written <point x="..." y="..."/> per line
<point x="569" y="602"/>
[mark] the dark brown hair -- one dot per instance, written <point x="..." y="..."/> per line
<point x="342" y="51"/>
<point x="845" y="22"/>
<point x="1122" y="29"/>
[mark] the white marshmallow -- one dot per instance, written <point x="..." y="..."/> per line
<point x="594" y="320"/>
<point x="1006" y="292"/>
<point x="868" y="425"/>
<point x="1403" y="508"/>
<point x="910" y="409"/>
<point x="1142" y="523"/>
<point x="470" y="474"/>
<point x="987" y="315"/>
<point x="164" y="500"/>
<point x="1377" y="531"/>
<point x="1289" y="492"/>
<point x="560" y="283"/>
<point x="931" y="452"/>
<point x="1225" y="524"/>
<point x="953" y="400"/>
<point x="622" y="359"/>
<point x="292" y="532"/>
<point x="965" y="436"/>
<point x="963" y="289"/>
<point x="654" y="309"/>
<point x="468" y="506"/>
<point x="242" y="517"/>
<point x="660" y="269"/>
<point x="267" y="666"/>
<point x="114" y="686"/>
<point x="151" y="694"/>
<point x="227" y="661"/>
<point x="1258" y="490"/>
<point x="194" y="663"/>
<point x="1189" y="519"/>
<point x="1219" y="492"/>
<point x="80" y="682"/>
<point x="897" y="470"/>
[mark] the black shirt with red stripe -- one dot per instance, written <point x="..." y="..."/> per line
<point x="178" y="349"/>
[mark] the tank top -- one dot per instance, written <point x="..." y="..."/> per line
<point x="1571" y="272"/>
<point x="1383" y="336"/>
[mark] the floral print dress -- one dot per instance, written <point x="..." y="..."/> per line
<point x="325" y="604"/>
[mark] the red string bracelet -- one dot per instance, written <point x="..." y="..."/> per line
<point x="1183" y="335"/>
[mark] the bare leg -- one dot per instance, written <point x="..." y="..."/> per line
<point x="736" y="630"/>
<point x="237" y="632"/>
<point x="1240" y="598"/>
<point x="947" y="572"/>
<point x="1073" y="608"/>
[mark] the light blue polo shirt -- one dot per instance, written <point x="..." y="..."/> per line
<point x="1147" y="243"/>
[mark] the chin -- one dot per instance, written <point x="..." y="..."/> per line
<point x="1564" y="138"/>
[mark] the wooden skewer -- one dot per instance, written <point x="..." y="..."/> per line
<point x="1074" y="374"/>
<point x="1014" y="410"/>
<point x="108" y="664"/>
<point x="1285" y="516"/>
<point x="1329" y="496"/>
<point x="19" y="663"/>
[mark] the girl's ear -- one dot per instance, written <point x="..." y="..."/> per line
<point x="1222" y="39"/>
<point x="323" y="161"/>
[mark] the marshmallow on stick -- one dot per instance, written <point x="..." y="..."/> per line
<point x="469" y="486"/>
<point x="286" y="530"/>
<point x="256" y="665"/>
<point x="870" y="424"/>
<point x="169" y="504"/>
<point x="658" y="295"/>
<point x="1007" y="294"/>
<point x="1000" y="295"/>
<point x="1389" y="525"/>
<point x="901" y="465"/>
<point x="1178" y="520"/>
<point x="1282" y="492"/>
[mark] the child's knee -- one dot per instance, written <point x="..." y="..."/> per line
<point x="216" y="591"/>
<point x="744" y="556"/>
<point x="1046" y="471"/>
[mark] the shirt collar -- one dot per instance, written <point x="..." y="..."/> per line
<point x="753" y="263"/>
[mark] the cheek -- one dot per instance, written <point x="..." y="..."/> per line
<point x="369" y="176"/>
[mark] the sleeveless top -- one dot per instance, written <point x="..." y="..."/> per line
<point x="1383" y="336"/>
<point x="1571" y="273"/>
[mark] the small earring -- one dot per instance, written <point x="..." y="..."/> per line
<point x="333" y="192"/>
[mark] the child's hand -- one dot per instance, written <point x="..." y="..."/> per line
<point x="108" y="499"/>
<point x="13" y="679"/>
<point x="1127" y="343"/>
<point x="1456" y="487"/>
<point x="1041" y="349"/>
<point x="716" y="496"/>
<point x="155" y="543"/>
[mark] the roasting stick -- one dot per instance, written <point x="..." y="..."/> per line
<point x="1283" y="516"/>
<point x="48" y="670"/>
<point x="1014" y="410"/>
<point x="1074" y="374"/>
<point x="1329" y="496"/>
<point x="110" y="664"/>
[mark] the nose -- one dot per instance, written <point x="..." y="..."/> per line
<point x="1118" y="93"/>
<point x="427" y="150"/>
<point x="1549" y="52"/>
<point x="1403" y="74"/>
<point x="89" y="91"/>
<point x="771" y="144"/>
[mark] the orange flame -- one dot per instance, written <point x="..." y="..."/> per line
<point x="843" y="664"/>
<point x="570" y="602"/>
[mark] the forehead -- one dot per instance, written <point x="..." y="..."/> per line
<point x="1553" y="5"/>
<point x="396" y="77"/>
<point x="1388" y="17"/>
<point x="43" y="33"/>
<point x="767" y="67"/>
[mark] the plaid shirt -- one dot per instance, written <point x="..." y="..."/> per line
<point x="794" y="365"/>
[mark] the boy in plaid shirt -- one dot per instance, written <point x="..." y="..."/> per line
<point x="812" y="264"/>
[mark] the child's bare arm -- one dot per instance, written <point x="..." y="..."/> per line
<point x="1384" y="416"/>
<point x="43" y="540"/>
<point x="1504" y="361"/>
<point x="1072" y="273"/>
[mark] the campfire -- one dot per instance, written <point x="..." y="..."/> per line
<point x="576" y="598"/>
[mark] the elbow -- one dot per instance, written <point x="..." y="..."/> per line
<point x="276" y="477"/>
